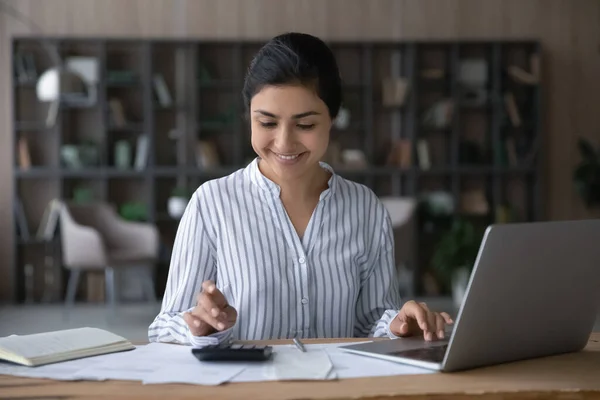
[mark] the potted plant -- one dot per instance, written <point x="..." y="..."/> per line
<point x="455" y="255"/>
<point x="587" y="173"/>
<point x="178" y="202"/>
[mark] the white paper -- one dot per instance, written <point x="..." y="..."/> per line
<point x="293" y="364"/>
<point x="157" y="363"/>
<point x="65" y="370"/>
<point x="198" y="373"/>
<point x="135" y="365"/>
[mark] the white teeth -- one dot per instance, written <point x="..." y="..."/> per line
<point x="287" y="157"/>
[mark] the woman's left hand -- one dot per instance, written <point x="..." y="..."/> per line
<point x="416" y="319"/>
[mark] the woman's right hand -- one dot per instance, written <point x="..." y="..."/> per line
<point x="212" y="312"/>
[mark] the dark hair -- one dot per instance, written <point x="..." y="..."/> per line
<point x="295" y="58"/>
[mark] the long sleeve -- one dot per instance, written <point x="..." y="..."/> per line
<point x="379" y="301"/>
<point x="192" y="262"/>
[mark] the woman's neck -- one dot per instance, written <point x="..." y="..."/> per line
<point x="304" y="188"/>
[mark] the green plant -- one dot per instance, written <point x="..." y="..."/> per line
<point x="456" y="249"/>
<point x="586" y="175"/>
<point x="133" y="211"/>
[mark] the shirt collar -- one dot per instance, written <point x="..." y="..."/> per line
<point x="264" y="183"/>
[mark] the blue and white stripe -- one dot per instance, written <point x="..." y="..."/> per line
<point x="338" y="280"/>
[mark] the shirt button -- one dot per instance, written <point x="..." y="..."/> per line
<point x="304" y="300"/>
<point x="301" y="260"/>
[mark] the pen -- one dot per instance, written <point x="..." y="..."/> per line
<point x="299" y="345"/>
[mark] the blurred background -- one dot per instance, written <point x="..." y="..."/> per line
<point x="457" y="113"/>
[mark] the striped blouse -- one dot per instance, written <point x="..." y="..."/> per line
<point x="338" y="280"/>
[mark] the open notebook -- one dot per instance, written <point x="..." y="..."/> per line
<point x="51" y="347"/>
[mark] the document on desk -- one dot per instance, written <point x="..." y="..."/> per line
<point x="289" y="363"/>
<point x="157" y="363"/>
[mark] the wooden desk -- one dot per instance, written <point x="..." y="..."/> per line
<point x="571" y="376"/>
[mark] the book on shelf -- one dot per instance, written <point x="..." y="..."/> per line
<point x="511" y="109"/>
<point x="24" y="155"/>
<point x="141" y="152"/>
<point x="207" y="155"/>
<point x="51" y="347"/>
<point x="524" y="77"/>
<point x="117" y="113"/>
<point x="49" y="221"/>
<point x="21" y="219"/>
<point x="162" y="91"/>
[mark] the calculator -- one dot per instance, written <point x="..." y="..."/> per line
<point x="233" y="352"/>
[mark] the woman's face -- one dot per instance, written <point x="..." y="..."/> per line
<point x="290" y="129"/>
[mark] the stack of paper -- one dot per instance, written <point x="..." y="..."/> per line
<point x="168" y="363"/>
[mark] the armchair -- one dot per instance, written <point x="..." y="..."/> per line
<point x="94" y="237"/>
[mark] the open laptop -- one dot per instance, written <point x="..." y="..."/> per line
<point x="534" y="291"/>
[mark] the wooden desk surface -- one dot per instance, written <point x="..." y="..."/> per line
<point x="570" y="376"/>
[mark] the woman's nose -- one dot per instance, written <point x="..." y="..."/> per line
<point x="284" y="139"/>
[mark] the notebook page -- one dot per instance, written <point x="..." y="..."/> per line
<point x="49" y="343"/>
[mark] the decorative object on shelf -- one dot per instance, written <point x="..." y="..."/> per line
<point x="454" y="256"/>
<point x="527" y="77"/>
<point x="586" y="175"/>
<point x="512" y="110"/>
<point x="439" y="115"/>
<point x="122" y="154"/>
<point x="400" y="154"/>
<point x="342" y="121"/>
<point x="178" y="202"/>
<point x="423" y="154"/>
<point x="394" y="91"/>
<point x="354" y="158"/>
<point x="207" y="155"/>
<point x="161" y="91"/>
<point x="26" y="71"/>
<point x="60" y="83"/>
<point x="88" y="69"/>
<point x="117" y="113"/>
<point x="24" y="156"/>
<point x="433" y="73"/>
<point x="473" y="79"/>
<point x="79" y="156"/>
<point x="121" y="77"/>
<point x="134" y="211"/>
<point x="474" y="202"/>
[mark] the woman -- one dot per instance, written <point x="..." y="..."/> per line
<point x="285" y="247"/>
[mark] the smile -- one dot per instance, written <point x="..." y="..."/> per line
<point x="292" y="157"/>
<point x="287" y="157"/>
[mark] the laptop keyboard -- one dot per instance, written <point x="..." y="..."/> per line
<point x="431" y="354"/>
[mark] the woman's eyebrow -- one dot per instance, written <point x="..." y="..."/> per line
<point x="297" y="116"/>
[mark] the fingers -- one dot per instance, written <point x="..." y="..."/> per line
<point x="419" y="313"/>
<point x="196" y="325"/>
<point x="216" y="321"/>
<point x="431" y="324"/>
<point x="440" y="323"/>
<point x="447" y="318"/>
<point x="215" y="294"/>
<point x="399" y="327"/>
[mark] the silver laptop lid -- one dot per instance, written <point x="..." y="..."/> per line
<point x="534" y="291"/>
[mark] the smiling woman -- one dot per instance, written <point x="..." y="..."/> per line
<point x="285" y="248"/>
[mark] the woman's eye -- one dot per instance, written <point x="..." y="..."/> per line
<point x="268" y="124"/>
<point x="306" y="126"/>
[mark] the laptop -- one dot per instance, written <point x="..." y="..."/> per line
<point x="534" y="292"/>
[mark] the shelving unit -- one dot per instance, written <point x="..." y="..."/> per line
<point x="205" y="78"/>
